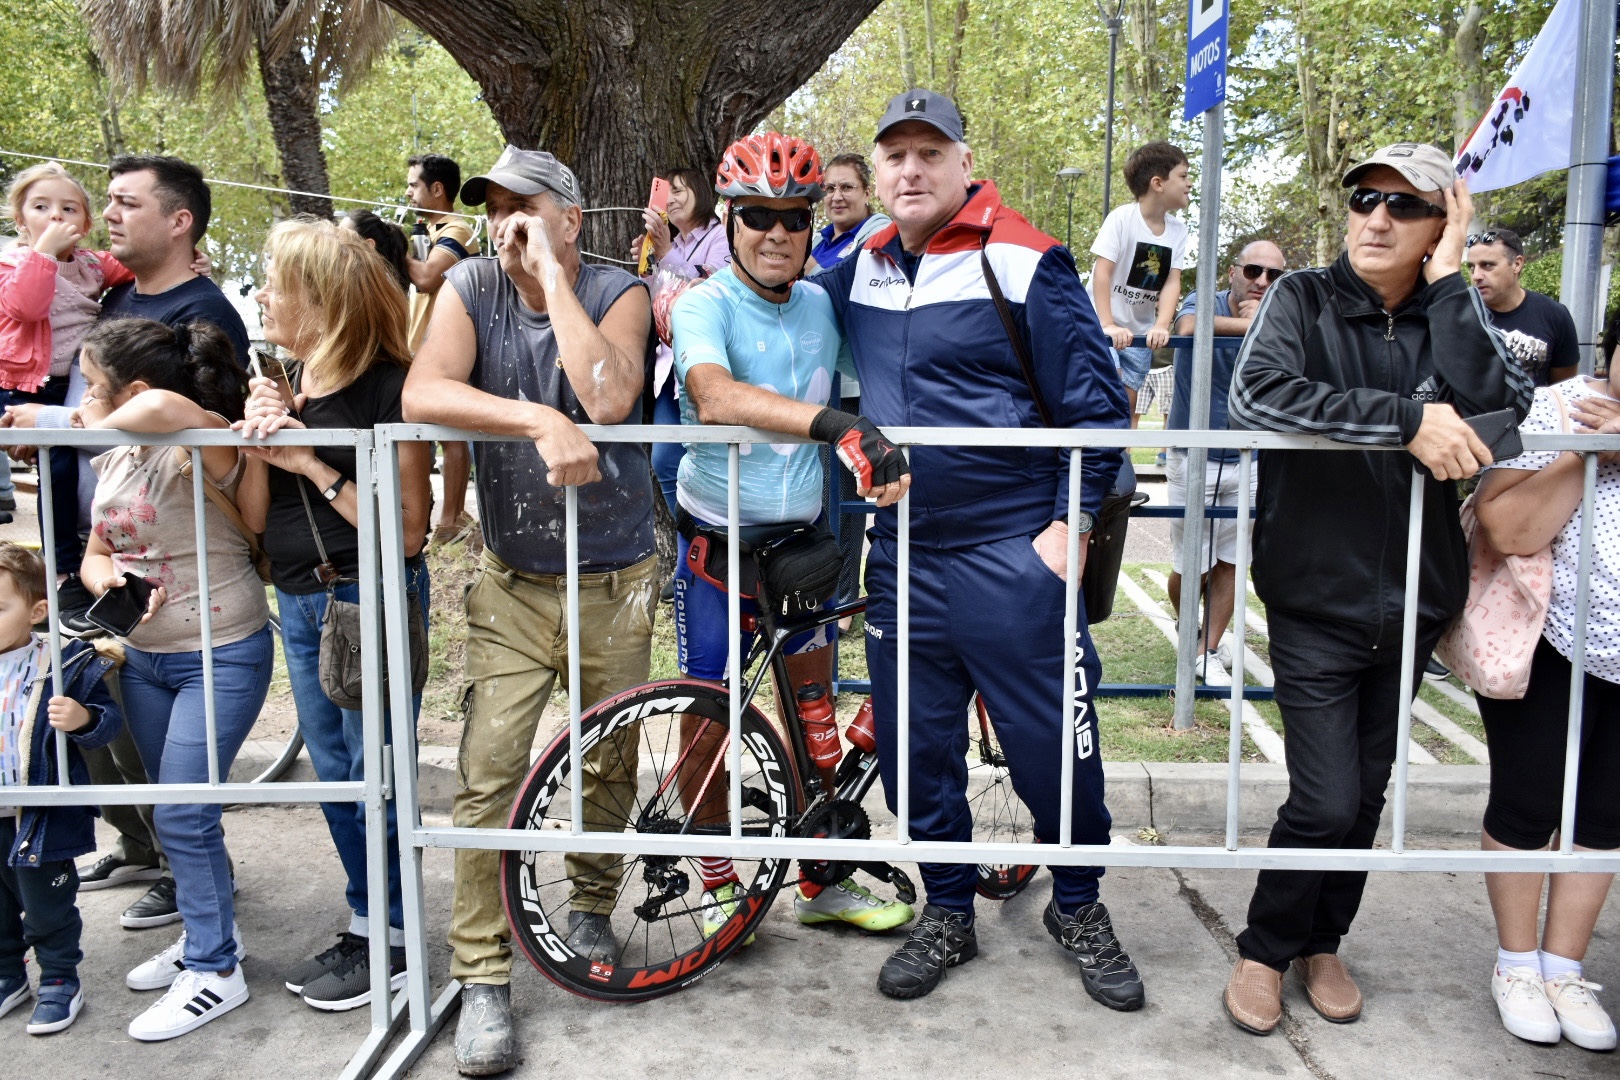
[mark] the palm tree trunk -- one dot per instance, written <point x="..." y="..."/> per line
<point x="290" y="97"/>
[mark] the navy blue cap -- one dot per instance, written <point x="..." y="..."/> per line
<point x="936" y="110"/>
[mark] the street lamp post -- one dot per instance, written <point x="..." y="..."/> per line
<point x="1115" y="22"/>
<point x="1069" y="177"/>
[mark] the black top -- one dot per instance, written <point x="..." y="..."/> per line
<point x="370" y="400"/>
<point x="197" y="300"/>
<point x="1540" y="335"/>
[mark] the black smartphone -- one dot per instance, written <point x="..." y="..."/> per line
<point x="119" y="610"/>
<point x="1499" y="431"/>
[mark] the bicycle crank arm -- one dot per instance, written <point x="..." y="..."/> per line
<point x="904" y="890"/>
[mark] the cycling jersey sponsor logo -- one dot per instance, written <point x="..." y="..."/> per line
<point x="810" y="342"/>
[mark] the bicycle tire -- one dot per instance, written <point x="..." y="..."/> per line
<point x="999" y="815"/>
<point x="657" y="906"/>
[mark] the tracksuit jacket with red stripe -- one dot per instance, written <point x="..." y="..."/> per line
<point x="933" y="352"/>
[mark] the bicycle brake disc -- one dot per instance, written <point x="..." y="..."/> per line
<point x="838" y="819"/>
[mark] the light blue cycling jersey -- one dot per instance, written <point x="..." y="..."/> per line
<point x="791" y="349"/>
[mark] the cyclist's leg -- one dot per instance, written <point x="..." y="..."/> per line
<point x="514" y="632"/>
<point x="1020" y="675"/>
<point x="940" y="690"/>
<point x="615" y="623"/>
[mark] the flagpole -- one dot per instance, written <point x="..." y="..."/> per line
<point x="1588" y="174"/>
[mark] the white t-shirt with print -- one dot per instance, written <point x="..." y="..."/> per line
<point x="1603" y="599"/>
<point x="1142" y="262"/>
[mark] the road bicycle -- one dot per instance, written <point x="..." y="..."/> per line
<point x="670" y="931"/>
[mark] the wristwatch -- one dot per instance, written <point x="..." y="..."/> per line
<point x="1085" y="521"/>
<point x="331" y="493"/>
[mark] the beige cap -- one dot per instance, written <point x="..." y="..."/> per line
<point x="1428" y="167"/>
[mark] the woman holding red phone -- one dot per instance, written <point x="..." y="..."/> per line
<point x="143" y="376"/>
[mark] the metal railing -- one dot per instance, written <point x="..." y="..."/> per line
<point x="427" y="1014"/>
<point x="374" y="791"/>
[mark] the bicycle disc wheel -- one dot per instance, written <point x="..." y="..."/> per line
<point x="668" y="928"/>
<point x="999" y="815"/>
<point x="263" y="760"/>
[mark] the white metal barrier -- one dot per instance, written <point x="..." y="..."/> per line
<point x="427" y="1014"/>
<point x="374" y="791"/>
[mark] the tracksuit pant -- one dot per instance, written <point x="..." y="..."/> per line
<point x="987" y="618"/>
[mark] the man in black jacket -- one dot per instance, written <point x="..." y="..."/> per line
<point x="1387" y="347"/>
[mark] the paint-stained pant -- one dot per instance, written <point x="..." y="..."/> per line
<point x="986" y="618"/>
<point x="517" y="646"/>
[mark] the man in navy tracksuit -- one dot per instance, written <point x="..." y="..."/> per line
<point x="989" y="525"/>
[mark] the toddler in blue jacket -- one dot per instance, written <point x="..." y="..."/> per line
<point x="39" y="885"/>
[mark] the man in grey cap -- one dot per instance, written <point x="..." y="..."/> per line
<point x="1353" y="352"/>
<point x="531" y="343"/>
<point x="932" y="348"/>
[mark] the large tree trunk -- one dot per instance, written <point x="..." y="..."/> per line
<point x="621" y="89"/>
<point x="290" y="97"/>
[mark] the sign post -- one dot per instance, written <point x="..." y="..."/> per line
<point x="1206" y="95"/>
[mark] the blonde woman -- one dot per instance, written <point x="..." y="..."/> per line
<point x="331" y="302"/>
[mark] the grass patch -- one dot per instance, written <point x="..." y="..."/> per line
<point x="1462" y="716"/>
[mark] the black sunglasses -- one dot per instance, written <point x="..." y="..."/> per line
<point x="1492" y="238"/>
<point x="1402" y="206"/>
<point x="764" y="219"/>
<point x="1252" y="271"/>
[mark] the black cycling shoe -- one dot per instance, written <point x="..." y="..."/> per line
<point x="1106" y="970"/>
<point x="941" y="939"/>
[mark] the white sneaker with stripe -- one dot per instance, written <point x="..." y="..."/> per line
<point x="195" y="998"/>
<point x="166" y="966"/>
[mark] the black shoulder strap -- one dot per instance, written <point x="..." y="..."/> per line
<point x="1020" y="347"/>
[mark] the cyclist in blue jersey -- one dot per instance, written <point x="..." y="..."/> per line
<point x="756" y="346"/>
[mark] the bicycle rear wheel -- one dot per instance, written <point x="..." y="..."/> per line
<point x="999" y="815"/>
<point x="657" y="905"/>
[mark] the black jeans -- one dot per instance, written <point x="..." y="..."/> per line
<point x="1338" y="688"/>
<point x="38" y="911"/>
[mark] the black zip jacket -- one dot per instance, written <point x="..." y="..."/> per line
<point x="1324" y="358"/>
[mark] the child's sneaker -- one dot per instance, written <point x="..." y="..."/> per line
<point x="13" y="992"/>
<point x="195" y="998"/>
<point x="59" y="1003"/>
<point x="166" y="966"/>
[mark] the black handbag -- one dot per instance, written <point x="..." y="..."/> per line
<point x="1105" y="550"/>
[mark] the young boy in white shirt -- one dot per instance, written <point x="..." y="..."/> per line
<point x="1140" y="249"/>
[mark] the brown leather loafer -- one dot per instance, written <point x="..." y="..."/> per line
<point x="1253" y="997"/>
<point x="1332" y="991"/>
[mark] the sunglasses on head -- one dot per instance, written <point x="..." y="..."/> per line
<point x="764" y="219"/>
<point x="1492" y="238"/>
<point x="1252" y="271"/>
<point x="1402" y="206"/>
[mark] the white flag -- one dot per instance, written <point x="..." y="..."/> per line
<point x="1526" y="131"/>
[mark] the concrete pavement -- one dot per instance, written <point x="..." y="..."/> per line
<point x="804" y="1001"/>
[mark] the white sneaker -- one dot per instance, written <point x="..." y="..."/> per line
<point x="1523" y="1003"/>
<point x="1211" y="672"/>
<point x="1580" y="1017"/>
<point x="1223" y="653"/>
<point x="166" y="966"/>
<point x="195" y="998"/>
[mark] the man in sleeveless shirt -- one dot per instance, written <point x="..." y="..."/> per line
<point x="530" y="343"/>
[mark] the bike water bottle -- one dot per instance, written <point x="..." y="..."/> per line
<point x="820" y="727"/>
<point x="862" y="734"/>
<point x="420" y="242"/>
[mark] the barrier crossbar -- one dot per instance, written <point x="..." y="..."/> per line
<point x="374" y="791"/>
<point x="427" y="1013"/>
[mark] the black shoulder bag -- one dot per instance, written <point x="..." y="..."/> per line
<point x="1106" y="544"/>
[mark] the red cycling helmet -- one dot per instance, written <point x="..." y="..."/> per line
<point x="773" y="165"/>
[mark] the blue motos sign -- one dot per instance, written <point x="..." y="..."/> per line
<point x="1206" y="56"/>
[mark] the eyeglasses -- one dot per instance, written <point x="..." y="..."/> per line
<point x="764" y="219"/>
<point x="1402" y="206"/>
<point x="1252" y="271"/>
<point x="1493" y="238"/>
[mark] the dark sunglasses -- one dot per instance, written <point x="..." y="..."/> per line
<point x="1492" y="238"/>
<point x="1402" y="206"/>
<point x="764" y="219"/>
<point x="1252" y="271"/>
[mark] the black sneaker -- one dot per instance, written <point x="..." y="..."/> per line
<point x="72" y="601"/>
<point x="324" y="961"/>
<point x="348" y="985"/>
<point x="1106" y="970"/>
<point x="1435" y="671"/>
<point x="156" y="908"/>
<point x="941" y="939"/>
<point x="110" y="870"/>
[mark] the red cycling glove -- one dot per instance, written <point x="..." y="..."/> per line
<point x="871" y="458"/>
